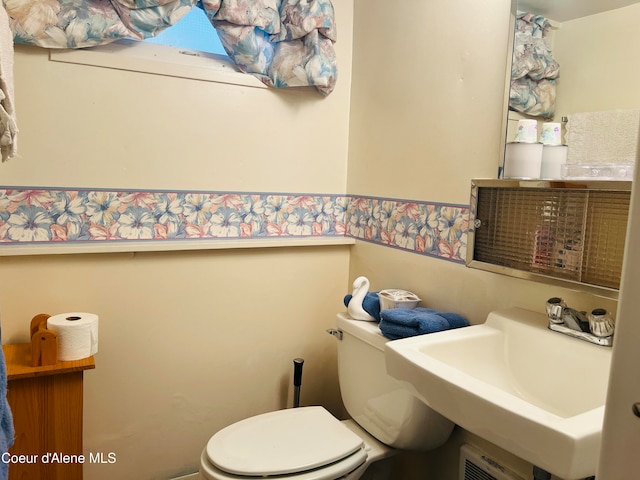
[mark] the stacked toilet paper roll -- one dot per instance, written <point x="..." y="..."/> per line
<point x="553" y="158"/>
<point x="522" y="160"/>
<point x="77" y="334"/>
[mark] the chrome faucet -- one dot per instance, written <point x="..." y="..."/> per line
<point x="596" y="327"/>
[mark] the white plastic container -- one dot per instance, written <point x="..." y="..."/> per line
<point x="598" y="171"/>
<point x="394" y="298"/>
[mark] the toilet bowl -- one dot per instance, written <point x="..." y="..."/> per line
<point x="308" y="443"/>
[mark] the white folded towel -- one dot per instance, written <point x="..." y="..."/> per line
<point x="603" y="137"/>
<point x="8" y="126"/>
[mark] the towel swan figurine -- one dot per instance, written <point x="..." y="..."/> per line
<point x="355" y="309"/>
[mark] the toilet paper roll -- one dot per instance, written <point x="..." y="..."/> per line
<point x="522" y="160"/>
<point x="77" y="334"/>
<point x="553" y="157"/>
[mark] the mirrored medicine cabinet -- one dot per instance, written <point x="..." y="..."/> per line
<point x="568" y="233"/>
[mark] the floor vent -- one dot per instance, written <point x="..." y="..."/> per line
<point x="476" y="465"/>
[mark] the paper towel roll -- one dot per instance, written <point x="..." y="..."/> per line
<point x="77" y="334"/>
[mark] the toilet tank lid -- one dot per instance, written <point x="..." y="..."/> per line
<point x="282" y="442"/>
<point x="366" y="331"/>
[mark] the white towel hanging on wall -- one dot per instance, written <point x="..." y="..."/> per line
<point x="8" y="126"/>
<point x="603" y="137"/>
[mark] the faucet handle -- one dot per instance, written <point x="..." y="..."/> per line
<point x="555" y="308"/>
<point x="601" y="323"/>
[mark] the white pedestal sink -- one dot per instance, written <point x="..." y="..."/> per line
<point x="536" y="393"/>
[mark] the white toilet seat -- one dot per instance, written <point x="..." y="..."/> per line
<point x="330" y="472"/>
<point x="305" y="443"/>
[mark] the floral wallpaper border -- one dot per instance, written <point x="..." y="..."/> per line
<point x="47" y="215"/>
<point x="437" y="230"/>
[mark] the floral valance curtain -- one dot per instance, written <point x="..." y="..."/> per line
<point x="285" y="43"/>
<point x="533" y="71"/>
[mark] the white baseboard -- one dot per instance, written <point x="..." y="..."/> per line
<point x="191" y="476"/>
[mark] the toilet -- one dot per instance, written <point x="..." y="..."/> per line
<point x="308" y="443"/>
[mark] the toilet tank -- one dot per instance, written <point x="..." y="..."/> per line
<point x="377" y="402"/>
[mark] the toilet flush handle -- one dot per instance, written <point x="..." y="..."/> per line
<point x="335" y="332"/>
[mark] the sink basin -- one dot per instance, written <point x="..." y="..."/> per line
<point x="536" y="393"/>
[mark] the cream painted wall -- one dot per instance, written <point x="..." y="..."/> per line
<point x="449" y="286"/>
<point x="593" y="53"/>
<point x="98" y="127"/>
<point x="426" y="113"/>
<point x="426" y="105"/>
<point x="189" y="341"/>
<point x="177" y="360"/>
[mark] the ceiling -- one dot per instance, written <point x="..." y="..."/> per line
<point x="563" y="10"/>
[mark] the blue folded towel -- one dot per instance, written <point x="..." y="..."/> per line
<point x="6" y="419"/>
<point x="455" y="319"/>
<point x="404" y="322"/>
<point x="370" y="304"/>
